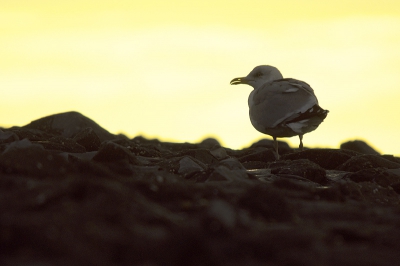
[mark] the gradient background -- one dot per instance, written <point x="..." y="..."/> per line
<point x="161" y="69"/>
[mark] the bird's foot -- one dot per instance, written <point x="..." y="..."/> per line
<point x="276" y="149"/>
<point x="301" y="142"/>
<point x="276" y="154"/>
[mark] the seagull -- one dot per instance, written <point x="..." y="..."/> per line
<point x="281" y="107"/>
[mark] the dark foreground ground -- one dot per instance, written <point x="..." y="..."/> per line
<point x="73" y="194"/>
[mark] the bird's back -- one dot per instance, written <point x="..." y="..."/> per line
<point x="278" y="101"/>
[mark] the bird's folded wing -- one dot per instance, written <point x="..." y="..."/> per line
<point x="280" y="99"/>
<point x="315" y="111"/>
<point x="296" y="83"/>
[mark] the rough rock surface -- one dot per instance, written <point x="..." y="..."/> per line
<point x="71" y="193"/>
<point x="358" y="146"/>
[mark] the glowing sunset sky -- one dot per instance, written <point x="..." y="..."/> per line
<point x="162" y="69"/>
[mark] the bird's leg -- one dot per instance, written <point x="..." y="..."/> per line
<point x="276" y="153"/>
<point x="301" y="142"/>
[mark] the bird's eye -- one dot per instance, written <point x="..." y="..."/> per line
<point x="258" y="74"/>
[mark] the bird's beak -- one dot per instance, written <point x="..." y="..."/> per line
<point x="242" y="80"/>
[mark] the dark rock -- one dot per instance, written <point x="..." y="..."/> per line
<point x="223" y="173"/>
<point x="283" y="147"/>
<point x="146" y="151"/>
<point x="377" y="194"/>
<point x="260" y="155"/>
<point x="301" y="167"/>
<point x="331" y="193"/>
<point x="238" y="153"/>
<point x="295" y="184"/>
<point x="202" y="155"/>
<point x="68" y="125"/>
<point x="358" y="146"/>
<point x="139" y="148"/>
<point x="143" y="140"/>
<point x="232" y="164"/>
<point x="147" y="202"/>
<point x="255" y="165"/>
<point x="111" y="152"/>
<point x="177" y="147"/>
<point x="394" y="171"/>
<point x="7" y="137"/>
<point x="188" y="166"/>
<point x="199" y="176"/>
<point x="209" y="143"/>
<point x="170" y="165"/>
<point x="380" y="176"/>
<point x="360" y="162"/>
<point x="267" y="202"/>
<point x="23" y="157"/>
<point x="219" y="153"/>
<point x="61" y="144"/>
<point x="229" y="170"/>
<point x="268" y="143"/>
<point x="92" y="168"/>
<point x="391" y="158"/>
<point x="328" y="159"/>
<point x="221" y="214"/>
<point x="30" y="134"/>
<point x="396" y="187"/>
<point x="296" y="188"/>
<point x="260" y="151"/>
<point x="88" y="139"/>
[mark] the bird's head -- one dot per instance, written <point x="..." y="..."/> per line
<point x="258" y="76"/>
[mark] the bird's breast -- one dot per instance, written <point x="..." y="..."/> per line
<point x="250" y="101"/>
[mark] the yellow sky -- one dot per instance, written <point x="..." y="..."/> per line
<point x="162" y="68"/>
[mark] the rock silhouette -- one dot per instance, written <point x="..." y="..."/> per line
<point x="71" y="193"/>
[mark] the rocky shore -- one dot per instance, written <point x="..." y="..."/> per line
<point x="71" y="193"/>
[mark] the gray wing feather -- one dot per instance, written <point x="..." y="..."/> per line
<point x="280" y="100"/>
